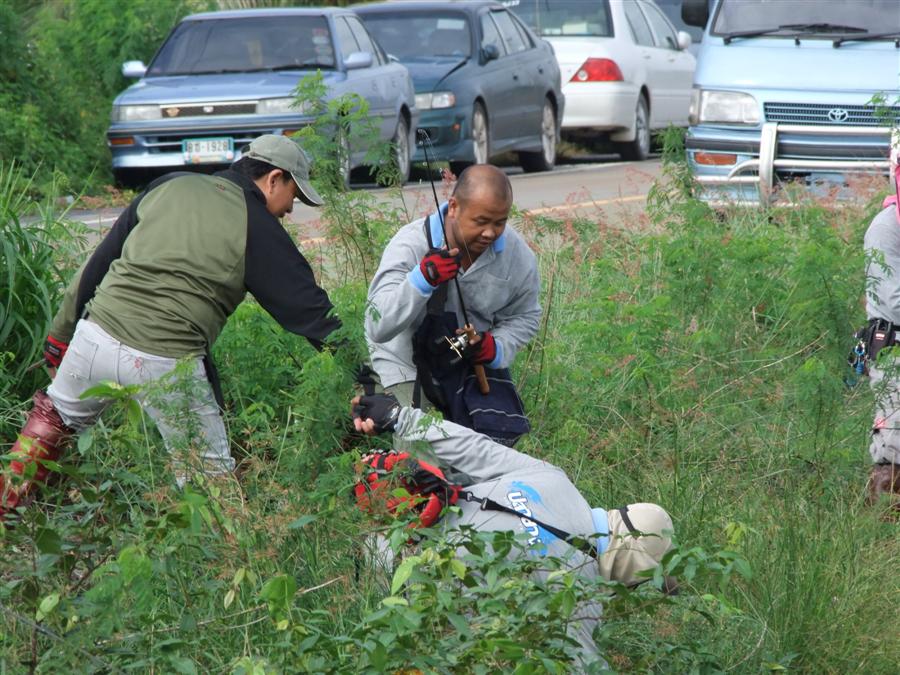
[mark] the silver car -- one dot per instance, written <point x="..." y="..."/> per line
<point x="223" y="78"/>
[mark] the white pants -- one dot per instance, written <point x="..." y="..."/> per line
<point x="185" y="411"/>
<point x="885" y="446"/>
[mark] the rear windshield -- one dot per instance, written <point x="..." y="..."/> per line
<point x="412" y="36"/>
<point x="811" y="17"/>
<point x="564" y="17"/>
<point x="245" y="45"/>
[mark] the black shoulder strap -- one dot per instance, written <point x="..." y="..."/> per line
<point x="623" y="511"/>
<point x="576" y="541"/>
<point x="427" y="227"/>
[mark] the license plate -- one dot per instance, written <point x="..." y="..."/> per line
<point x="207" y="150"/>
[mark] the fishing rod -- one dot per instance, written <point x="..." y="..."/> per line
<point x="458" y="344"/>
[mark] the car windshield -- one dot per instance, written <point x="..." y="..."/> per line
<point x="564" y="17"/>
<point x="245" y="45"/>
<point x="412" y="36"/>
<point x="810" y="19"/>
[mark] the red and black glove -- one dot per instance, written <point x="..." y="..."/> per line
<point x="54" y="351"/>
<point x="438" y="266"/>
<point x="483" y="351"/>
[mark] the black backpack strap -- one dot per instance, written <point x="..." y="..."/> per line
<point x="576" y="541"/>
<point x="623" y="511"/>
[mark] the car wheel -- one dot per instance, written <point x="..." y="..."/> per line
<point x="481" y="140"/>
<point x="402" y="154"/>
<point x="544" y="160"/>
<point x="638" y="149"/>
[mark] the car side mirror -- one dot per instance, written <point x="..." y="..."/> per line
<point x="133" y="69"/>
<point x="695" y="12"/>
<point x="490" y="52"/>
<point x="684" y="40"/>
<point x="358" y="60"/>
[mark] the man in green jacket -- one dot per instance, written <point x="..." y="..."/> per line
<point x="158" y="290"/>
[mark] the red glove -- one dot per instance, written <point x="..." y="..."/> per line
<point x="439" y="267"/>
<point x="54" y="351"/>
<point x="484" y="351"/>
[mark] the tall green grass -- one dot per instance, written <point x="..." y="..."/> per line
<point x="37" y="251"/>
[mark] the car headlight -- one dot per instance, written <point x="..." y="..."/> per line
<point x="280" y="106"/>
<point x="723" y="107"/>
<point x="437" y="99"/>
<point x="135" y="113"/>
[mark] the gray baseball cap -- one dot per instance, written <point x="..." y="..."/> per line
<point x="285" y="154"/>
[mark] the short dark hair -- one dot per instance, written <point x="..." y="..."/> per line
<point x="256" y="168"/>
<point x="482" y="175"/>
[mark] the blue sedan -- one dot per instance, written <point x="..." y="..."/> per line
<point x="485" y="84"/>
<point x="223" y="78"/>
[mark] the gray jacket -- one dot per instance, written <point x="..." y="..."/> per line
<point x="882" y="246"/>
<point x="530" y="486"/>
<point x="500" y="291"/>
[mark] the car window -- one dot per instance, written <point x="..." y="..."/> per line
<point x="663" y="33"/>
<point x="490" y="35"/>
<point x="362" y="38"/>
<point x="511" y="35"/>
<point x="346" y="42"/>
<point x="672" y="10"/>
<point x="245" y="45"/>
<point x="873" y="16"/>
<point x="523" y="32"/>
<point x="421" y="35"/>
<point x="639" y="28"/>
<point x="564" y="17"/>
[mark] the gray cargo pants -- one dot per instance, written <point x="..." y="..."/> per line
<point x="187" y="415"/>
<point x="885" y="446"/>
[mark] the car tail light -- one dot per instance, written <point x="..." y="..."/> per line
<point x="121" y="140"/>
<point x="598" y="70"/>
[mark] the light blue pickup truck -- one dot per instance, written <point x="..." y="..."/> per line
<point x="792" y="92"/>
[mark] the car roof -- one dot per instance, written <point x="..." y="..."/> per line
<point x="413" y="5"/>
<point x="271" y="11"/>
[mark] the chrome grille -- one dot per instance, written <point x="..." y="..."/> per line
<point x="175" y="111"/>
<point x="836" y="115"/>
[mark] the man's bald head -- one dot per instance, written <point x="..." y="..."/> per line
<point x="483" y="180"/>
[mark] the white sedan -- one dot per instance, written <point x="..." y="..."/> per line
<point x="626" y="71"/>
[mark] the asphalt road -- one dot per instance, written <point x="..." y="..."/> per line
<point x="598" y="186"/>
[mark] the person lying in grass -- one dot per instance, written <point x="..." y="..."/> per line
<point x="510" y="491"/>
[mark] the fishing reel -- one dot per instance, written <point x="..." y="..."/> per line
<point x="457" y="346"/>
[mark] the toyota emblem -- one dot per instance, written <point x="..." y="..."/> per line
<point x="838" y="115"/>
<point x="208" y="109"/>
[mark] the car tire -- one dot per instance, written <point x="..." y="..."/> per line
<point x="545" y="159"/>
<point x="639" y="149"/>
<point x="481" y="139"/>
<point x="402" y="153"/>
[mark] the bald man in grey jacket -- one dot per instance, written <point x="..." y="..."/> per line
<point x="497" y="273"/>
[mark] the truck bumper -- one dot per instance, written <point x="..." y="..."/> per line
<point x="781" y="162"/>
